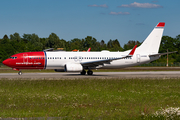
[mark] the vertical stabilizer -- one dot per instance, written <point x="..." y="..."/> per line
<point x="152" y="42"/>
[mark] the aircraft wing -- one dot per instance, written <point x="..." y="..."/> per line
<point x="89" y="50"/>
<point x="162" y="53"/>
<point x="106" y="61"/>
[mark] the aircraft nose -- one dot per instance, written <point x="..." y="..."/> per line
<point x="6" y="62"/>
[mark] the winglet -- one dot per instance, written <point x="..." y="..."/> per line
<point x="89" y="50"/>
<point x="133" y="50"/>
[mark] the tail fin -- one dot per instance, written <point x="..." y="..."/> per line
<point x="152" y="42"/>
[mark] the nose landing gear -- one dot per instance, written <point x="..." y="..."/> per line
<point x="19" y="73"/>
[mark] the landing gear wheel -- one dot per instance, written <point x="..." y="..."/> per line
<point x="19" y="73"/>
<point x="83" y="72"/>
<point x="89" y="72"/>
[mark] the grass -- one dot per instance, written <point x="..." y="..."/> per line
<point x="87" y="99"/>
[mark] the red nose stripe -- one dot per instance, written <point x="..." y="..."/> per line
<point x="27" y="60"/>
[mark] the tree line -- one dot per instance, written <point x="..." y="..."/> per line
<point x="32" y="42"/>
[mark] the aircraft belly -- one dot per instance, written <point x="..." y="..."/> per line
<point x="54" y="64"/>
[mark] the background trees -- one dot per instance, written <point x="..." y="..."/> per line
<point x="31" y="42"/>
<point x="114" y="45"/>
<point x="131" y="44"/>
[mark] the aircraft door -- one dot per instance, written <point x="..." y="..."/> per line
<point x="138" y="58"/>
<point x="25" y="58"/>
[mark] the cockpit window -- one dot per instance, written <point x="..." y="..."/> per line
<point x="13" y="57"/>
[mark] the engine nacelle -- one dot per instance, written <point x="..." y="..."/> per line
<point x="73" y="67"/>
<point x="59" y="70"/>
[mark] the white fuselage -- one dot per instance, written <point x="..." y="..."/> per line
<point x="57" y="60"/>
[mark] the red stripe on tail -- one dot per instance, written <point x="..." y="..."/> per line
<point x="161" y="24"/>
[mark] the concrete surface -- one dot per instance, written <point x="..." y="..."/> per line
<point x="99" y="75"/>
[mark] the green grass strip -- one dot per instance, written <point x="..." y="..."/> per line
<point x="87" y="99"/>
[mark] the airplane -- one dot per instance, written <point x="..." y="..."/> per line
<point x="67" y="61"/>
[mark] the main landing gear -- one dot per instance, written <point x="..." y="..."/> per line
<point x="83" y="72"/>
<point x="89" y="72"/>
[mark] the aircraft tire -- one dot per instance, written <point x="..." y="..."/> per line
<point x="90" y="72"/>
<point x="83" y="72"/>
<point x="19" y="73"/>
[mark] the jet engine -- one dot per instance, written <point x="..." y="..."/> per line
<point x="73" y="67"/>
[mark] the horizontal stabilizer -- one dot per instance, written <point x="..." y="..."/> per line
<point x="162" y="53"/>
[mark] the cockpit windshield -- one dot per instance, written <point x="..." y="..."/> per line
<point x="13" y="57"/>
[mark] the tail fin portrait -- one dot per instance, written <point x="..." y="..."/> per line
<point x="152" y="43"/>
